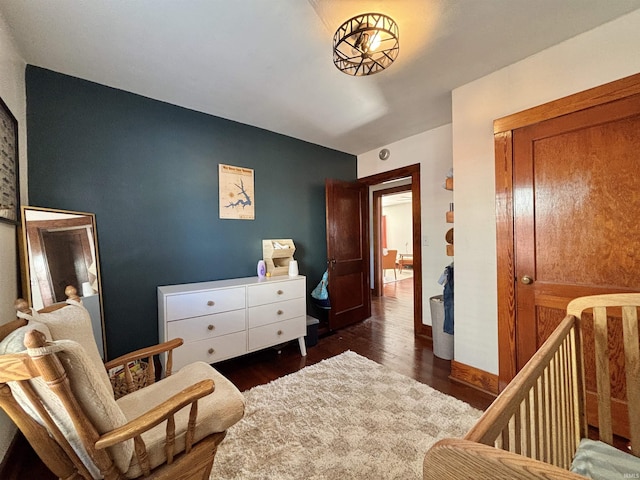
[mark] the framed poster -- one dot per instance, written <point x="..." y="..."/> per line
<point x="9" y="187"/>
<point x="236" y="192"/>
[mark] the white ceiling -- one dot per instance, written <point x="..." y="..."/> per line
<point x="268" y="63"/>
<point x="396" y="199"/>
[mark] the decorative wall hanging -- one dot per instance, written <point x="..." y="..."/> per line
<point x="9" y="186"/>
<point x="236" y="192"/>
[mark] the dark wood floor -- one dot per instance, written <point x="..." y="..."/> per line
<point x="387" y="338"/>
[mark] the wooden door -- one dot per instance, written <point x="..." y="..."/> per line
<point x="347" y="252"/>
<point x="68" y="257"/>
<point x="576" y="204"/>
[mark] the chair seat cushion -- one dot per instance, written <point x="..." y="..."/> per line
<point x="216" y="412"/>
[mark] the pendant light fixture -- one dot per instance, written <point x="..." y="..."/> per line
<point x="365" y="44"/>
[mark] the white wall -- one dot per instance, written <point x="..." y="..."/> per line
<point x="12" y="91"/>
<point x="399" y="223"/>
<point x="607" y="53"/>
<point x="432" y="150"/>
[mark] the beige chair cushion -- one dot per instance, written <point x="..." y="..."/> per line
<point x="216" y="412"/>
<point x="73" y="322"/>
<point x="92" y="395"/>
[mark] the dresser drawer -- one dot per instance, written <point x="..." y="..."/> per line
<point x="210" y="350"/>
<point x="231" y="317"/>
<point x="275" y="292"/>
<point x="208" y="326"/>
<point x="196" y="304"/>
<point x="276" y="312"/>
<point x="275" y="333"/>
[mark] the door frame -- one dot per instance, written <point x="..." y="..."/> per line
<point x="378" y="283"/>
<point x="505" y="238"/>
<point x="412" y="171"/>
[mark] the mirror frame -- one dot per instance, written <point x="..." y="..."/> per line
<point x="39" y="268"/>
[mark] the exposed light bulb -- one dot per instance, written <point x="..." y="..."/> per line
<point x="374" y="41"/>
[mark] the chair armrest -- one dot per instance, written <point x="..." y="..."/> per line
<point x="156" y="415"/>
<point x="143" y="353"/>
<point x="451" y="459"/>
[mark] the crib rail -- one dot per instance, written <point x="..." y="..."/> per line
<point x="622" y="306"/>
<point x="538" y="414"/>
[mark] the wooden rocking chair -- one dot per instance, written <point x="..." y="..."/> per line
<point x="59" y="394"/>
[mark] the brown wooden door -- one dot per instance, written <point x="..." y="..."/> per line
<point x="576" y="201"/>
<point x="347" y="252"/>
<point x="68" y="257"/>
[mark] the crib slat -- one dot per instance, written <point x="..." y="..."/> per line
<point x="546" y="415"/>
<point x="562" y="452"/>
<point x="566" y="406"/>
<point x="498" y="442"/>
<point x="602" y="374"/>
<point x="513" y="444"/>
<point x="517" y="431"/>
<point x="531" y="424"/>
<point x="539" y="407"/>
<point x="525" y="433"/>
<point x="553" y="387"/>
<point x="566" y="458"/>
<point x="632" y="368"/>
<point x="576" y="391"/>
<point x="569" y="439"/>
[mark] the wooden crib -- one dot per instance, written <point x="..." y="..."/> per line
<point x="534" y="427"/>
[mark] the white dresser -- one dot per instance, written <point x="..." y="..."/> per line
<point x="227" y="318"/>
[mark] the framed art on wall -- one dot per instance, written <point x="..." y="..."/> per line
<point x="9" y="187"/>
<point x="236" y="192"/>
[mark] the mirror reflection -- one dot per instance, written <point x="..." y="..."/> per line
<point x="60" y="248"/>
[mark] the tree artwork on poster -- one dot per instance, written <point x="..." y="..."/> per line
<point x="236" y="192"/>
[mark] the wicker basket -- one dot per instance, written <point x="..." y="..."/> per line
<point x="119" y="382"/>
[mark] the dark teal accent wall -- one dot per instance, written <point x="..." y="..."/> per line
<point x="149" y="171"/>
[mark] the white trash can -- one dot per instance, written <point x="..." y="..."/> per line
<point x="442" y="342"/>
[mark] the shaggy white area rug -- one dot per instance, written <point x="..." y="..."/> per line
<point x="346" y="417"/>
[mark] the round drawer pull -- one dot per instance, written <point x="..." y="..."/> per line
<point x="280" y="332"/>
<point x="211" y="303"/>
<point x="211" y="327"/>
<point x="279" y="292"/>
<point x="279" y="312"/>
<point x="211" y="351"/>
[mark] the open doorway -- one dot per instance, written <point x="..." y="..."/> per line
<point x="393" y="234"/>
<point x="411" y="179"/>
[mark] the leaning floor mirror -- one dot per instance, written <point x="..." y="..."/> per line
<point x="60" y="248"/>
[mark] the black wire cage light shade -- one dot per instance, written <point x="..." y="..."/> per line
<point x="366" y="44"/>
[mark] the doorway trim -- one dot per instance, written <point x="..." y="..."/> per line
<point x="505" y="239"/>
<point x="412" y="171"/>
<point x="378" y="282"/>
